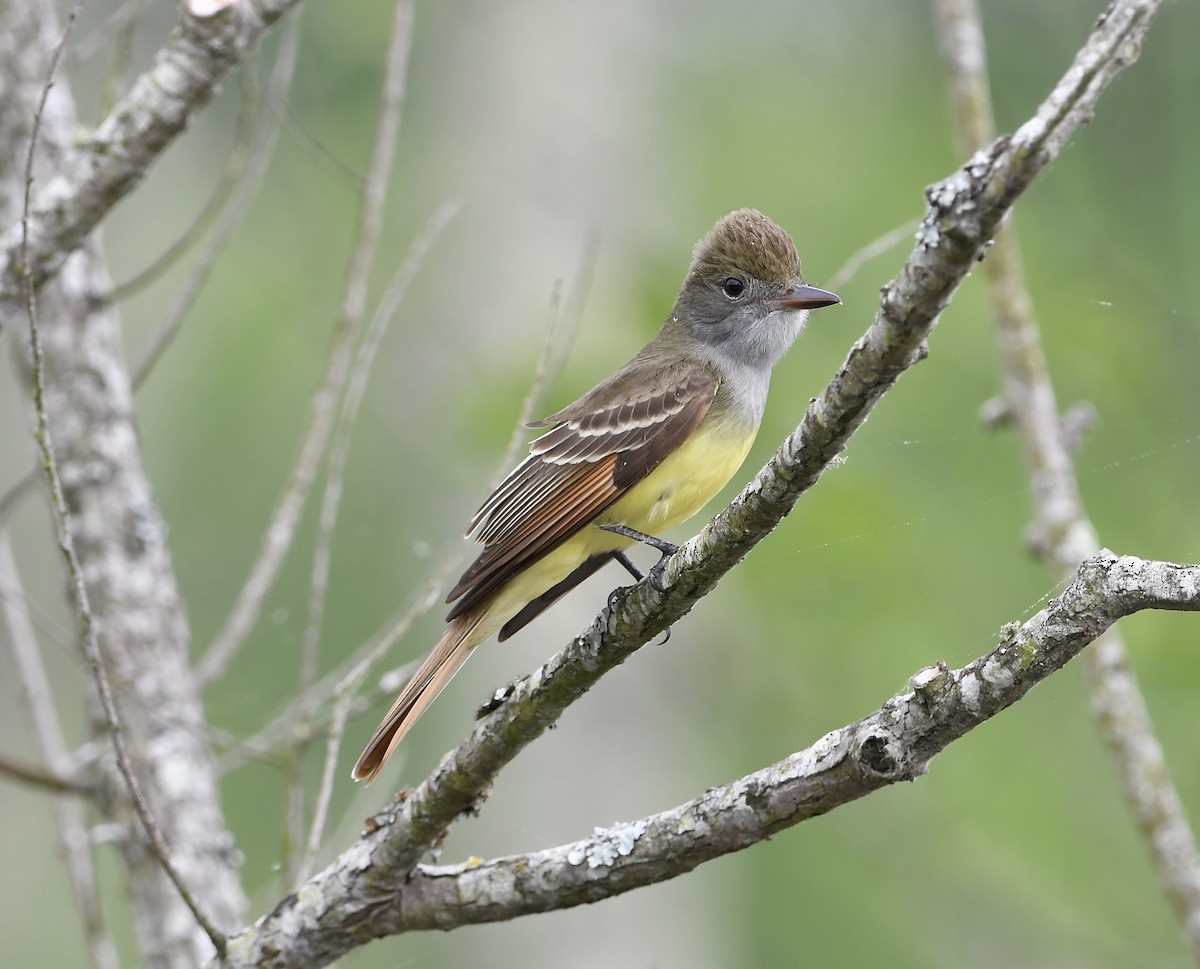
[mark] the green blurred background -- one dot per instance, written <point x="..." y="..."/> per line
<point x="637" y="125"/>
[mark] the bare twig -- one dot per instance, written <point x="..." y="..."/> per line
<point x="339" y="451"/>
<point x="319" y="151"/>
<point x="561" y="330"/>
<point x="541" y="372"/>
<point x="292" y="851"/>
<point x="227" y="182"/>
<point x="333" y="744"/>
<point x="876" y="247"/>
<point x="248" y="177"/>
<point x="120" y="54"/>
<point x="330" y="503"/>
<point x="1064" y="536"/>
<point x="36" y="776"/>
<point x="66" y="544"/>
<point x="36" y="617"/>
<point x="282" y="528"/>
<point x="562" y="317"/>
<point x="15" y="492"/>
<point x="120" y="20"/>
<point x="69" y="822"/>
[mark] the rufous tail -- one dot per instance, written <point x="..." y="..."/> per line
<point x="461" y="636"/>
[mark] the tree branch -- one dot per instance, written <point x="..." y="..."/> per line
<point x="896" y="743"/>
<point x="41" y="777"/>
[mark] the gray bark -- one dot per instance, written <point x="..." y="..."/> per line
<point x="119" y="536"/>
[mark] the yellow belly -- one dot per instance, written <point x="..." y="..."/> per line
<point x="685" y="482"/>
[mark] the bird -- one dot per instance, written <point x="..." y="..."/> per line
<point x="639" y="453"/>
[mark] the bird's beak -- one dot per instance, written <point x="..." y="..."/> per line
<point x="804" y="298"/>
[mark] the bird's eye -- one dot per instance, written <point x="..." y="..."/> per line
<point x="733" y="287"/>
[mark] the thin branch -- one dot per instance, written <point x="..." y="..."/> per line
<point x="115" y="23"/>
<point x="347" y="420"/>
<point x="66" y="544"/>
<point x="876" y="247"/>
<point x="69" y="821"/>
<point x="182" y="78"/>
<point x="333" y="744"/>
<point x="319" y="151"/>
<point x="31" y="672"/>
<point x="282" y="528"/>
<point x="36" y="617"/>
<point x="120" y="50"/>
<point x="553" y="350"/>
<point x="15" y="492"/>
<point x="34" y="775"/>
<point x="331" y="502"/>
<point x="561" y="330"/>
<point x="227" y="182"/>
<point x="1063" y="534"/>
<point x="251" y="175"/>
<point x="291" y="852"/>
<point x="537" y="385"/>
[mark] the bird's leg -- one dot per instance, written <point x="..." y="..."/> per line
<point x="665" y="550"/>
<point x="629" y="567"/>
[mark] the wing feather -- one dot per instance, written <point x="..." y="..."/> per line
<point x="595" y="450"/>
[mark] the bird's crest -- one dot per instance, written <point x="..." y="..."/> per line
<point x="746" y="241"/>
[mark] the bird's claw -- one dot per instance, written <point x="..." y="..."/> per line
<point x="614" y="597"/>
<point x="658" y="572"/>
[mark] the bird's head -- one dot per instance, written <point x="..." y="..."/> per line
<point x="743" y="297"/>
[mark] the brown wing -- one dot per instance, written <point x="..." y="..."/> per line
<point x="596" y="450"/>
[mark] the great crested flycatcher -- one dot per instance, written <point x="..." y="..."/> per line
<point x="644" y="450"/>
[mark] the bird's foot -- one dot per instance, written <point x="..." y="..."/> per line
<point x="667" y="550"/>
<point x="615" y="596"/>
